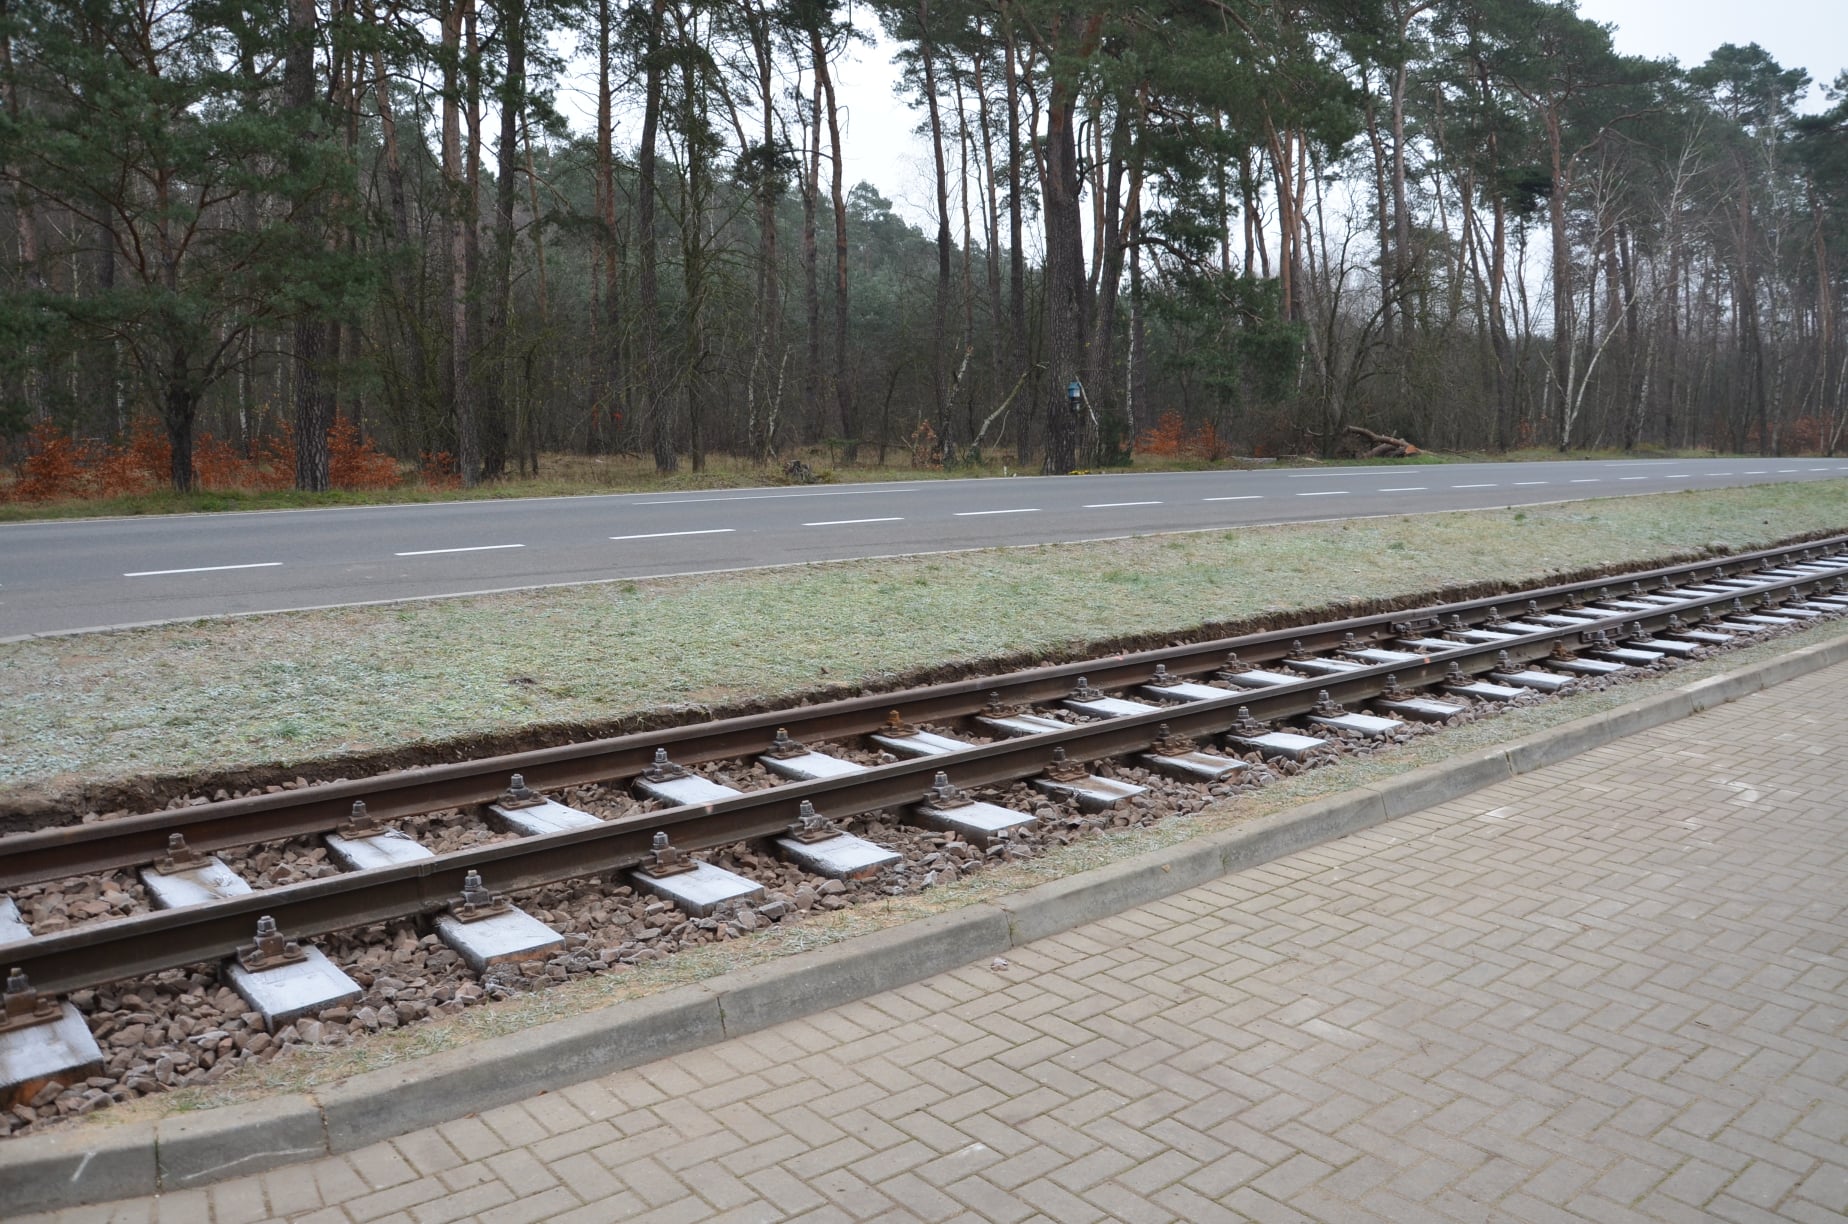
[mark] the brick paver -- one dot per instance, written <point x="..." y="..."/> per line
<point x="1611" y="990"/>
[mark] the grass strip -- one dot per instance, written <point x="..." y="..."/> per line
<point x="253" y="699"/>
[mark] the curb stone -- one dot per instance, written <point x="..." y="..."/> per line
<point x="762" y="995"/>
<point x="211" y="1144"/>
<point x="391" y="1101"/>
<point x="93" y="1164"/>
<point x="99" y="1162"/>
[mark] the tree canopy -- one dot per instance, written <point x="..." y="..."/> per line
<point x="1245" y="223"/>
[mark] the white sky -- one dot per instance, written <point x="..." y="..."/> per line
<point x="1811" y="34"/>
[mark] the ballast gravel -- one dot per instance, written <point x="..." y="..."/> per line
<point x="184" y="1027"/>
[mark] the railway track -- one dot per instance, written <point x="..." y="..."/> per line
<point x="971" y="762"/>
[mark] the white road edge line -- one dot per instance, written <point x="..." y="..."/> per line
<point x="850" y="522"/>
<point x="431" y="552"/>
<point x="1114" y="505"/>
<point x="662" y="535"/>
<point x="977" y="513"/>
<point x="202" y="569"/>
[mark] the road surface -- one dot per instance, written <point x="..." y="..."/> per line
<point x="72" y="576"/>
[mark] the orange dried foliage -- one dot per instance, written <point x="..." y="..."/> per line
<point x="1805" y="436"/>
<point x="56" y="467"/>
<point x="274" y="461"/>
<point x="354" y="463"/>
<point x="439" y="470"/>
<point x="1206" y="444"/>
<point x="1165" y="437"/>
<point x="219" y="465"/>
<point x="923" y="447"/>
<point x="141" y="464"/>
<point x="1169" y="438"/>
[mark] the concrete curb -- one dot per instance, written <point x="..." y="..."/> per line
<point x="93" y="1164"/>
<point x="99" y="1162"/>
<point x="393" y="1100"/>
<point x="193" y="1148"/>
<point x="763" y="995"/>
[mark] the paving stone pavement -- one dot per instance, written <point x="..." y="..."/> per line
<point x="1610" y="990"/>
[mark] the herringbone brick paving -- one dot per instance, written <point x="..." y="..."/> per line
<point x="1611" y="990"/>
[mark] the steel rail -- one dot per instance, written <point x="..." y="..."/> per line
<point x="100" y="952"/>
<point x="84" y="848"/>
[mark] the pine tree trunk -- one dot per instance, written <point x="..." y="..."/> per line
<point x="1016" y="235"/>
<point x="610" y="317"/>
<point x="767" y="342"/>
<point x="940" y="306"/>
<point x="843" y="388"/>
<point x="460" y="224"/>
<point x="490" y="425"/>
<point x="1064" y="269"/>
<point x="313" y="403"/>
<point x="991" y="230"/>
<point x="512" y="102"/>
<point x="811" y="275"/>
<point x="179" y="410"/>
<point x="657" y="420"/>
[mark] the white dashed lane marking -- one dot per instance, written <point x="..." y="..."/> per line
<point x="431" y="552"/>
<point x="202" y="569"/>
<point x="662" y="535"/>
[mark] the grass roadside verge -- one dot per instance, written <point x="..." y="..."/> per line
<point x="247" y="700"/>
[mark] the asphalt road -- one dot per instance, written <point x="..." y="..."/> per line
<point x="63" y="577"/>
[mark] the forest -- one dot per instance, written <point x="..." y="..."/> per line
<point x="475" y="233"/>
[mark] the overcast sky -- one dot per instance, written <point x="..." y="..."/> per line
<point x="1811" y="34"/>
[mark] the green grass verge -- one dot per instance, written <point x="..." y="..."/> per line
<point x="421" y="681"/>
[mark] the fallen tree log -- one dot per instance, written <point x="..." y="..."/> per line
<point x="1383" y="446"/>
